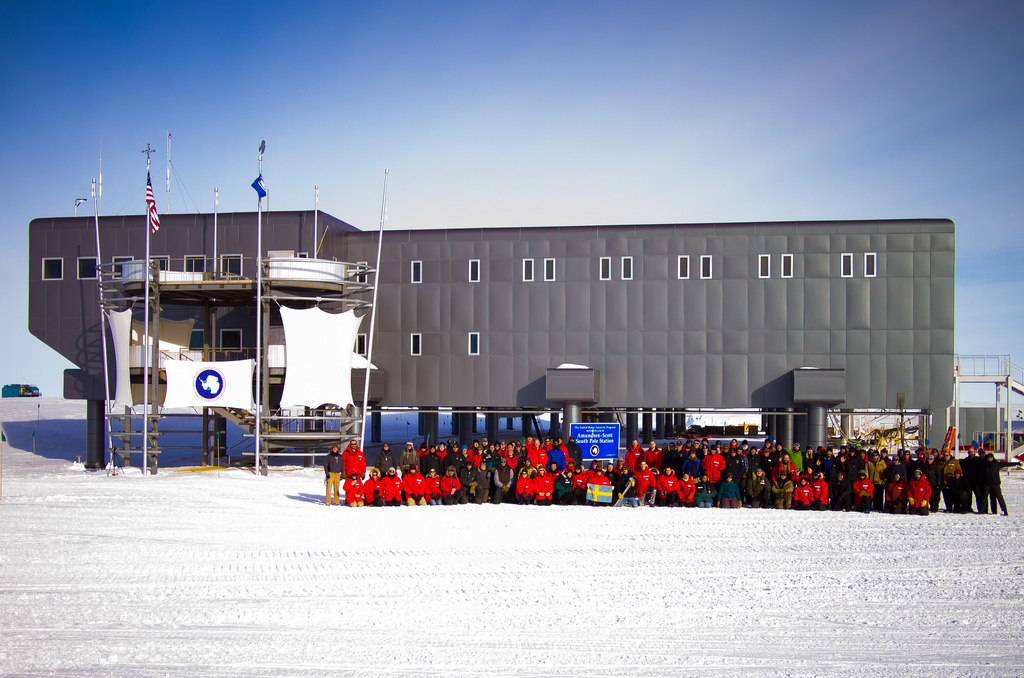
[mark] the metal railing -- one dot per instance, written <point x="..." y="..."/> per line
<point x="982" y="365"/>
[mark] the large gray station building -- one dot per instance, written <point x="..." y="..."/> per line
<point x="792" y="318"/>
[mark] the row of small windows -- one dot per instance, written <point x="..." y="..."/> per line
<point x="53" y="267"/>
<point x="706" y="271"/>
<point x="416" y="343"/>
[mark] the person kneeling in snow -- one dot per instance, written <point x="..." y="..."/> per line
<point x="896" y="494"/>
<point x="919" y="492"/>
<point x="803" y="495"/>
<point x="413" y="487"/>
<point x="524" y="488"/>
<point x="451" y="488"/>
<point x="728" y="493"/>
<point x="432" y="488"/>
<point x="625" y="490"/>
<point x="354" y="490"/>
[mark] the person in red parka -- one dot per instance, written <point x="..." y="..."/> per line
<point x="537" y="456"/>
<point x="668" y="489"/>
<point x="646" y="485"/>
<point x="354" y="460"/>
<point x="896" y="494"/>
<point x="391" y="488"/>
<point x="863" y="492"/>
<point x="803" y="495"/>
<point x="654" y="457"/>
<point x="713" y="466"/>
<point x="451" y="488"/>
<point x="543" y="487"/>
<point x="413" y="487"/>
<point x="687" y="490"/>
<point x="372" y="490"/>
<point x="634" y="455"/>
<point x="819" y="491"/>
<point x="354" y="491"/>
<point x="432" y="488"/>
<point x="919" y="492"/>
<point x="524" y="488"/>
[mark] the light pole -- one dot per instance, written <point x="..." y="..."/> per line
<point x="78" y="201"/>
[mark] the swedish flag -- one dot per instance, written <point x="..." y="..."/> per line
<point x="599" y="493"/>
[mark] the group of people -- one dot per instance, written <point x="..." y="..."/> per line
<point x="695" y="473"/>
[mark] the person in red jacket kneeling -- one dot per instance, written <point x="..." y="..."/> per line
<point x="919" y="492"/>
<point x="354" y="490"/>
<point x="524" y="488"/>
<point x="451" y="488"/>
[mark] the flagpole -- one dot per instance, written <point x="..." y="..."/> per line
<point x="216" y="261"/>
<point x="259" y="311"/>
<point x="316" y="208"/>
<point x="373" y="312"/>
<point x="103" y="324"/>
<point x="145" y="348"/>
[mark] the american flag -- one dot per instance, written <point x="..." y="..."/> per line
<point x="154" y="218"/>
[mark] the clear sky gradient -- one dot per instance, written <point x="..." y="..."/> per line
<point x="526" y="114"/>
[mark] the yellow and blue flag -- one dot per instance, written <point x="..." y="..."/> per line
<point x="599" y="493"/>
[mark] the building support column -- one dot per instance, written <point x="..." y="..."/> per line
<point x="784" y="428"/>
<point x="430" y="426"/>
<point x="95" y="429"/>
<point x="817" y="426"/>
<point x="491" y="424"/>
<point x="554" y="429"/>
<point x="648" y="427"/>
<point x="632" y="430"/>
<point x="572" y="413"/>
<point x="375" y="426"/>
<point x="659" y="425"/>
<point x="465" y="420"/>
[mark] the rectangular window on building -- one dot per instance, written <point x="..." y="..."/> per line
<point x="549" y="270"/>
<point x="787" y="265"/>
<point x="870" y="265"/>
<point x="705" y="267"/>
<point x="527" y="270"/>
<point x="684" y="267"/>
<point x="417" y="271"/>
<point x="195" y="340"/>
<point x="53" y="269"/>
<point x="764" y="266"/>
<point x="846" y="269"/>
<point x="627" y="268"/>
<point x="117" y="261"/>
<point x="474" y="343"/>
<point x="474" y="270"/>
<point x="195" y="263"/>
<point x="86" y="268"/>
<point x="231" y="264"/>
<point x="231" y="339"/>
<point x="302" y="255"/>
<point x="162" y="263"/>
<point x="361" y="276"/>
<point x="361" y="344"/>
<point x="606" y="268"/>
<point x="415" y="344"/>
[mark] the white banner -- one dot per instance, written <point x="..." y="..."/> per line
<point x="318" y="347"/>
<point x="219" y="384"/>
<point x="120" y="332"/>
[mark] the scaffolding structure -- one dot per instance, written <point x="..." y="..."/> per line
<point x="208" y="288"/>
<point x="1000" y="372"/>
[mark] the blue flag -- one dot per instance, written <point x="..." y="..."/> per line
<point x="258" y="185"/>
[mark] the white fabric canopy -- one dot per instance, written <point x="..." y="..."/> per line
<point x="227" y="383"/>
<point x="175" y="335"/>
<point x="319" y="347"/>
<point x="120" y="332"/>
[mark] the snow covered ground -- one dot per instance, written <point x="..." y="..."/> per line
<point x="229" y="574"/>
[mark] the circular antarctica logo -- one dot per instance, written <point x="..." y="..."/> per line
<point x="594" y="450"/>
<point x="209" y="384"/>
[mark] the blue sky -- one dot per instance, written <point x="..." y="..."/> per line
<point x="527" y="113"/>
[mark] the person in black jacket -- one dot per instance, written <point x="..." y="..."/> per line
<point x="333" y="467"/>
<point x="841" y="492"/>
<point x="991" y="482"/>
<point x="974" y="470"/>
<point x="574" y="453"/>
<point x="385" y="458"/>
<point x="504" y="481"/>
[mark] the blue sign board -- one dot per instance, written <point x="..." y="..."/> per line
<point x="598" y="441"/>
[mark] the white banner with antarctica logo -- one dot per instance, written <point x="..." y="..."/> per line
<point x="220" y="384"/>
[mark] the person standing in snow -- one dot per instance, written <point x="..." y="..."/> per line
<point x="333" y="467"/>
<point x="385" y="458"/>
<point x="409" y="457"/>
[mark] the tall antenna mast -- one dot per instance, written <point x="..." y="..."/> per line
<point x="168" y="173"/>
